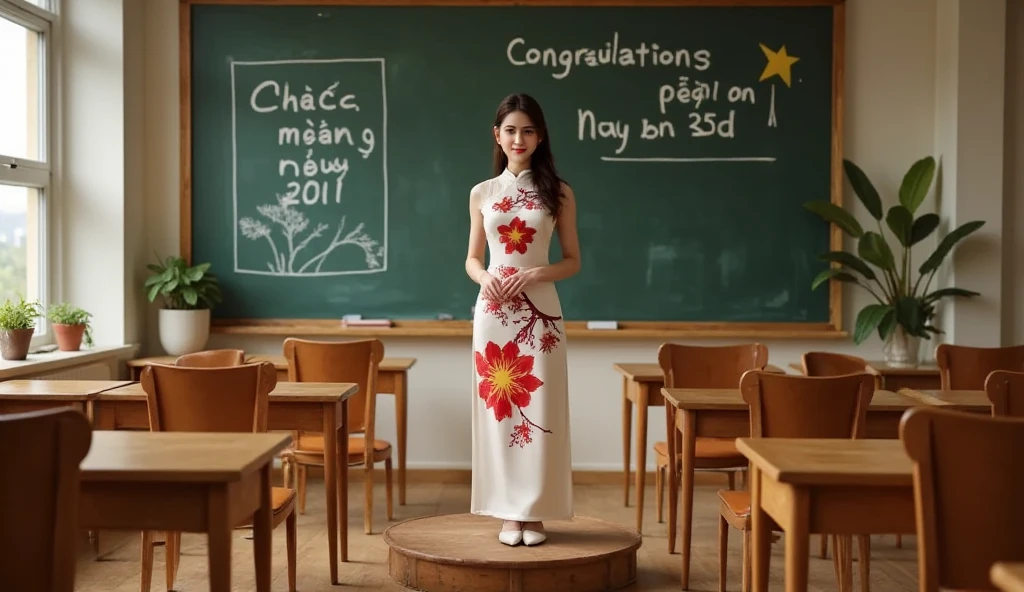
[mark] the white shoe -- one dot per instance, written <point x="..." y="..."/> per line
<point x="532" y="537"/>
<point x="511" y="537"/>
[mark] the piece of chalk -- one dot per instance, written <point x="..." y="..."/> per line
<point x="602" y="325"/>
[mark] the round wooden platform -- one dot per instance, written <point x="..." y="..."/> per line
<point x="461" y="552"/>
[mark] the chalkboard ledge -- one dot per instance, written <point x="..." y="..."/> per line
<point x="574" y="329"/>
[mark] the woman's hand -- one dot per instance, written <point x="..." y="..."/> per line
<point x="491" y="287"/>
<point x="518" y="282"/>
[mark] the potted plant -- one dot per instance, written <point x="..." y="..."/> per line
<point x="904" y="305"/>
<point x="70" y="324"/>
<point x="188" y="294"/>
<point x="17" y="324"/>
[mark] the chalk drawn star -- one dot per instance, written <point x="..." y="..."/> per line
<point x="779" y="63"/>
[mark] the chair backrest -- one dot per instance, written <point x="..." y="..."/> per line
<point x="968" y="485"/>
<point x="791" y="406"/>
<point x="228" y="399"/>
<point x="819" y="363"/>
<point x="212" y="358"/>
<point x="39" y="496"/>
<point x="695" y="366"/>
<point x="1006" y="391"/>
<point x="963" y="367"/>
<point x="340" y="361"/>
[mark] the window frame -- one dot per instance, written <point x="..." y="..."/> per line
<point x="42" y="175"/>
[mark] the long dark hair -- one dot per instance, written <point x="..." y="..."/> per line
<point x="542" y="163"/>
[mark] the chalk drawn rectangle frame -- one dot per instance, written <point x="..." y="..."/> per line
<point x="384" y="166"/>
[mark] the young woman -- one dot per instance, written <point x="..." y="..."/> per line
<point x="522" y="469"/>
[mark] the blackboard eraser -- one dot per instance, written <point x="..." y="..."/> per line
<point x="602" y="325"/>
<point x="366" y="322"/>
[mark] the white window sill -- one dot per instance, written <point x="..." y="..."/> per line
<point x="57" y="361"/>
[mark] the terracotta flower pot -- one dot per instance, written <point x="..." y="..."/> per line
<point x="69" y="337"/>
<point x="14" y="343"/>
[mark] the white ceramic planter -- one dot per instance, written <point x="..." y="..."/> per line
<point x="184" y="331"/>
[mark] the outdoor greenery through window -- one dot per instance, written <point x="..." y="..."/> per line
<point x="25" y="150"/>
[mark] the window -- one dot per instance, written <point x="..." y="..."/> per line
<point x="26" y="158"/>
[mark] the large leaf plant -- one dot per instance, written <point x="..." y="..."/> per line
<point x="182" y="287"/>
<point x="901" y="300"/>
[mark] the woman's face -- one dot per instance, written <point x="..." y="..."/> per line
<point x="518" y="138"/>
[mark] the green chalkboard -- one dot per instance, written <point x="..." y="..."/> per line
<point x="331" y="150"/>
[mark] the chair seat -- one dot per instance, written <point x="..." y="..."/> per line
<point x="719" y="448"/>
<point x="314" y="443"/>
<point x="280" y="497"/>
<point x="735" y="508"/>
<point x="281" y="504"/>
<point x="736" y="501"/>
<point x="310" y="450"/>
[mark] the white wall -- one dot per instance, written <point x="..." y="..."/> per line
<point x="892" y="118"/>
<point x="1013" y="179"/>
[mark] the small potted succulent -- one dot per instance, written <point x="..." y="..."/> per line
<point x="17" y="324"/>
<point x="70" y="324"/>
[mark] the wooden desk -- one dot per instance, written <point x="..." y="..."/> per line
<point x="825" y="486"/>
<point x="169" y="481"/>
<point x="392" y="378"/>
<point x="322" y="407"/>
<point x="641" y="385"/>
<point x="1009" y="577"/>
<point x="722" y="413"/>
<point x="925" y="376"/>
<point x="972" y="401"/>
<point x="19" y="396"/>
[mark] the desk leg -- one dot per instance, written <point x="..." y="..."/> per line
<point x="627" y="424"/>
<point x="401" y="418"/>
<point x="798" y="539"/>
<point x="219" y="539"/>
<point x="331" y="484"/>
<point x="642" y="394"/>
<point x="688" y="427"/>
<point x="760" y="536"/>
<point x="673" y="475"/>
<point x="261" y="527"/>
<point x="342" y="468"/>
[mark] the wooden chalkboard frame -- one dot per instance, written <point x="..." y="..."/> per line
<point x="438" y="328"/>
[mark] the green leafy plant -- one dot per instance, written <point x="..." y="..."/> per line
<point x="19" y="315"/>
<point x="66" y="314"/>
<point x="181" y="286"/>
<point x="901" y="299"/>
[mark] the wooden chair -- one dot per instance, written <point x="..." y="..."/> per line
<point x="39" y="498"/>
<point x="790" y="406"/>
<point x="225" y="399"/>
<point x="691" y="366"/>
<point x="963" y="367"/>
<point x="212" y="358"/>
<point x="968" y="479"/>
<point x="834" y="364"/>
<point x="344" y="361"/>
<point x="1005" y="390"/>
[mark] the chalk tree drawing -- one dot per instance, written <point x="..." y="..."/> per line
<point x="315" y="125"/>
<point x="293" y="223"/>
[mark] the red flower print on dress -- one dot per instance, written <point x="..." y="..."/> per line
<point x="525" y="313"/>
<point x="516" y="235"/>
<point x="523" y="199"/>
<point x="506" y="381"/>
<point x="504" y="206"/>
